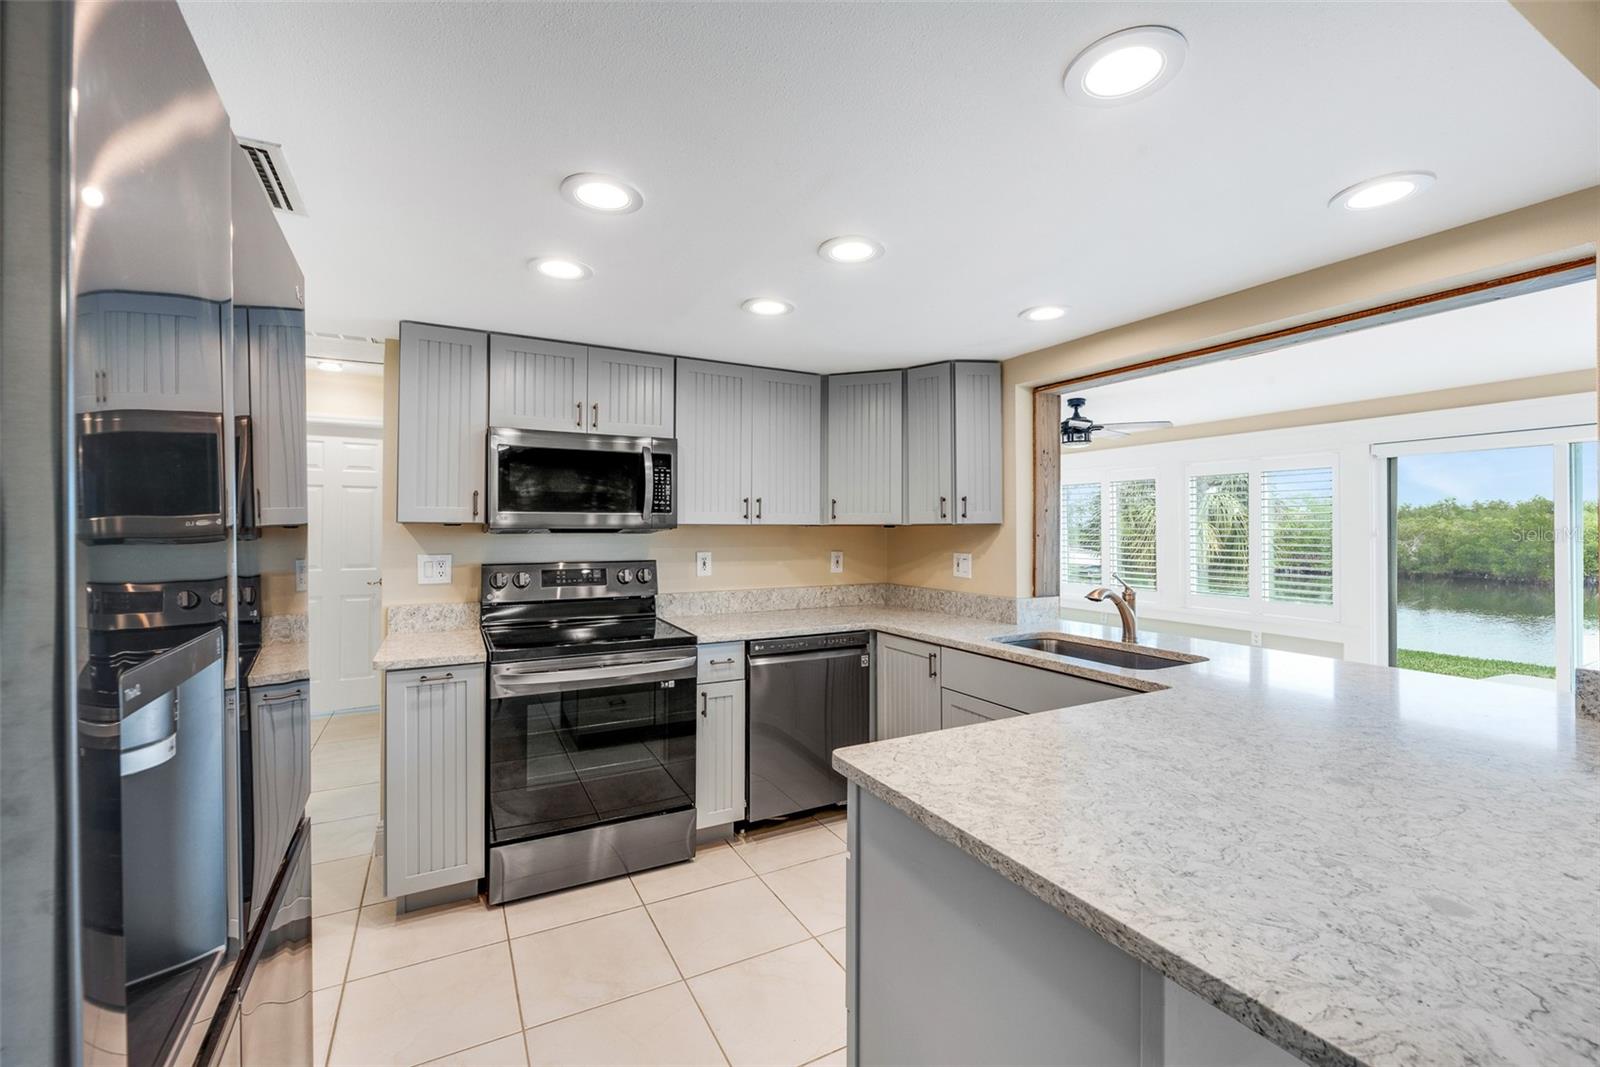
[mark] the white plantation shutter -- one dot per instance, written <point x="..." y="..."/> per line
<point x="1297" y="535"/>
<point x="1080" y="533"/>
<point x="1219" y="535"/>
<point x="1131" y="530"/>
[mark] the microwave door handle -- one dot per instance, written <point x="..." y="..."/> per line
<point x="649" y="479"/>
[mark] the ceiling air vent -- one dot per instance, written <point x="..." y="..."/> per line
<point x="273" y="171"/>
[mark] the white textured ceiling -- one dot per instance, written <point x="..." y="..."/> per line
<point x="428" y="141"/>
<point x="1520" y="337"/>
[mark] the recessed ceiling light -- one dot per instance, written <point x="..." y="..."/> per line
<point x="601" y="192"/>
<point x="92" y="196"/>
<point x="1382" y="191"/>
<point x="1042" y="313"/>
<point x="562" y="270"/>
<point x="851" y="248"/>
<point x="767" y="306"/>
<point x="332" y="366"/>
<point x="1125" y="65"/>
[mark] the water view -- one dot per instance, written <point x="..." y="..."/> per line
<point x="1487" y="620"/>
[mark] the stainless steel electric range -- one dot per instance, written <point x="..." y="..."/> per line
<point x="591" y="726"/>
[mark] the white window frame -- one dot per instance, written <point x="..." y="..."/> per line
<point x="1105" y="478"/>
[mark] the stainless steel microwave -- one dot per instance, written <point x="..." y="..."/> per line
<point x="551" y="480"/>
<point x="150" y="476"/>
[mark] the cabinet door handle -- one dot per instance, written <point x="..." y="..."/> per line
<point x="833" y="511"/>
<point x="578" y="419"/>
<point x="933" y="664"/>
<point x="293" y="694"/>
<point x="718" y="662"/>
<point x="747" y="508"/>
<point x="437" y="677"/>
<point x="758" y="509"/>
<point x="963" y="507"/>
<point x="596" y="424"/>
<point x="475" y="503"/>
<point x="702" y="705"/>
<point x="944" y="511"/>
<point x="378" y="582"/>
<point x="258" y="505"/>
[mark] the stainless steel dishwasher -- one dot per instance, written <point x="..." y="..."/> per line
<point x="808" y="696"/>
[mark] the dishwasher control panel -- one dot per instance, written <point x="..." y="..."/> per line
<point x="779" y="646"/>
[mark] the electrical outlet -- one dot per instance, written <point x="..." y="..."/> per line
<point x="963" y="565"/>
<point x="433" y="570"/>
<point x="1255" y="638"/>
<point x="835" y="562"/>
<point x="702" y="564"/>
<point x="299" y="576"/>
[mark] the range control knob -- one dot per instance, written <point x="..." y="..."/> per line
<point x="624" y="576"/>
<point x="249" y="594"/>
<point x="498" y="580"/>
<point x="522" y="579"/>
<point x="646" y="575"/>
<point x="216" y="597"/>
<point x="188" y="598"/>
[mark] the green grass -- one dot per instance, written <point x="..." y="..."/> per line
<point x="1467" y="666"/>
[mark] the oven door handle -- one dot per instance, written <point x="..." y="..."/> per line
<point x="512" y="682"/>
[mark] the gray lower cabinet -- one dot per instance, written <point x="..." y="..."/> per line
<point x="719" y="767"/>
<point x="909" y="699"/>
<point x="433" y="778"/>
<point x="866" y="483"/>
<point x="1019" y="687"/>
<point x="443" y="424"/>
<point x="952" y="444"/>
<point x="958" y="709"/>
<point x="277" y="341"/>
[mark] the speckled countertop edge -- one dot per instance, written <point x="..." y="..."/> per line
<point x="430" y="648"/>
<point x="279" y="662"/>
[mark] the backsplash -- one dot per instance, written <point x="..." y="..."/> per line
<point x="285" y="627"/>
<point x="1025" y="611"/>
<point x="432" y="618"/>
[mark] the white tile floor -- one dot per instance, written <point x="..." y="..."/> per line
<point x="735" y="958"/>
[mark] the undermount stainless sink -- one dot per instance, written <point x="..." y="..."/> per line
<point x="1116" y="657"/>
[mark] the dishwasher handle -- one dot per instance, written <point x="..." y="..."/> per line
<point x="780" y="658"/>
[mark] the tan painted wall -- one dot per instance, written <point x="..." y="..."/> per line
<point x="1551" y="232"/>
<point x="343" y="394"/>
<point x="743" y="557"/>
<point x="1572" y="26"/>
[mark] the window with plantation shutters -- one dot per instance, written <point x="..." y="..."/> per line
<point x="1297" y="535"/>
<point x="1080" y="533"/>
<point x="1219" y="534"/>
<point x="1131" y="530"/>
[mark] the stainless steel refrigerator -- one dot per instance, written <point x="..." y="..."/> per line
<point x="155" y="898"/>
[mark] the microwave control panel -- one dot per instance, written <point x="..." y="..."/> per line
<point x="661" y="490"/>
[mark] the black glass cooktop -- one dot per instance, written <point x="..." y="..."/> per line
<point x="536" y="639"/>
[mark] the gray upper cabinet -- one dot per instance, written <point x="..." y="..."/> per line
<point x="538" y="385"/>
<point x="930" y="444"/>
<point x="786" y="448"/>
<point x="631" y="393"/>
<point x="277" y="341"/>
<point x="149" y="351"/>
<point x="979" y="497"/>
<point x="444" y="420"/>
<point x="865" y="436"/>
<point x="433" y="783"/>
<point x="953" y="471"/>
<point x="714" y="402"/>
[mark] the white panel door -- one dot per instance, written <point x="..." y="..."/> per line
<point x="278" y="414"/>
<point x="786" y="448"/>
<point x="865" y="435"/>
<point x="443" y="426"/>
<point x="631" y="393"/>
<point x="930" y="445"/>
<point x="719" y="754"/>
<point x="537" y="385"/>
<point x="979" y="494"/>
<point x="909" y="697"/>
<point x="343" y="570"/>
<point x="148" y="350"/>
<point x="713" y="443"/>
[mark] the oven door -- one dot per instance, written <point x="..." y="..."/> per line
<point x="150" y="476"/>
<point x="547" y="480"/>
<point x="583" y="741"/>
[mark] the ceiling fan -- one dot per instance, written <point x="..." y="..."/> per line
<point x="1078" y="429"/>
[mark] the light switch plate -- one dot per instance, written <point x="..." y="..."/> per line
<point x="299" y="576"/>
<point x="963" y="565"/>
<point x="433" y="570"/>
<point x="835" y="562"/>
<point x="702" y="564"/>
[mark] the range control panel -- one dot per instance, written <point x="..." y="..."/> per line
<point x="511" y="583"/>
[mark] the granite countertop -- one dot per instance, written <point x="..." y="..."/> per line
<point x="280" y="661"/>
<point x="430" y="648"/>
<point x="1367" y="866"/>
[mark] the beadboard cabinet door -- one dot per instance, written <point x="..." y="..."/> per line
<point x="909" y="695"/>
<point x="714" y="401"/>
<point x="979" y="496"/>
<point x="537" y="385"/>
<point x="148" y="351"/>
<point x="930" y="445"/>
<point x="277" y="339"/>
<point x="786" y="448"/>
<point x="865" y="435"/>
<point x="631" y="393"/>
<point x="443" y="425"/>
<point x="433" y="778"/>
<point x="719" y="791"/>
